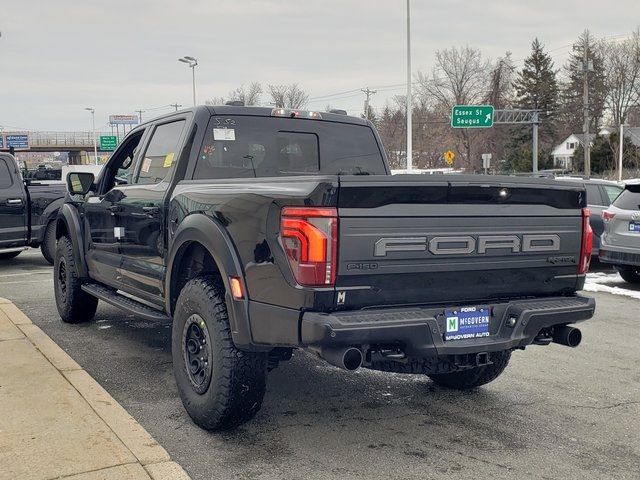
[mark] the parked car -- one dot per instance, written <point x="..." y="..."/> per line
<point x="258" y="231"/>
<point x="600" y="194"/>
<point x="28" y="211"/>
<point x="620" y="245"/>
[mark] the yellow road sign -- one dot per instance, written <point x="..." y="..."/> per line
<point x="449" y="157"/>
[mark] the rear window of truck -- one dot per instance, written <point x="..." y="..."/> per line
<point x="252" y="147"/>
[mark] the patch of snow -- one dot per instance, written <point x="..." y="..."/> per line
<point x="609" y="283"/>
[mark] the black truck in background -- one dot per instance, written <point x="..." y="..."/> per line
<point x="28" y="211"/>
<point x="258" y="231"/>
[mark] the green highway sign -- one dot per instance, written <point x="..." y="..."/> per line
<point x="472" y="116"/>
<point x="108" y="142"/>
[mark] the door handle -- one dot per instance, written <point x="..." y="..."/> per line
<point x="14" y="201"/>
<point x="151" y="210"/>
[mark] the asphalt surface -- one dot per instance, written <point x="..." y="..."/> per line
<point x="555" y="413"/>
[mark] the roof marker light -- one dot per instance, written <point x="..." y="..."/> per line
<point x="293" y="113"/>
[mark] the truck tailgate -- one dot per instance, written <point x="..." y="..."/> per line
<point x="456" y="239"/>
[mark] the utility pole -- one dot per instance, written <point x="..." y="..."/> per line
<point x="535" y="119"/>
<point x="409" y="102"/>
<point x="621" y="150"/>
<point x="140" y="112"/>
<point x="175" y="105"/>
<point x="368" y="93"/>
<point x="587" y="66"/>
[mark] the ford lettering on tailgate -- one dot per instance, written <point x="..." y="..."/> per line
<point x="466" y="244"/>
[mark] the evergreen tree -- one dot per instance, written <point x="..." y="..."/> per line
<point x="571" y="97"/>
<point x="536" y="88"/>
<point x="536" y="85"/>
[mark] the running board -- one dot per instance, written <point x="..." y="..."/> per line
<point x="125" y="303"/>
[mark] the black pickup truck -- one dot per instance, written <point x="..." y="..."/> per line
<point x="259" y="231"/>
<point x="28" y="211"/>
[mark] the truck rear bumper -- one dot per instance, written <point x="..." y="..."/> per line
<point x="420" y="331"/>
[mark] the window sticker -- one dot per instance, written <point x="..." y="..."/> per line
<point x="224" y="134"/>
<point x="168" y="160"/>
<point x="146" y="165"/>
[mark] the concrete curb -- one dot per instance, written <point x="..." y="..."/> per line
<point x="150" y="454"/>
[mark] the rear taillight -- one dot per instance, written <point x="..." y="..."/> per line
<point x="606" y="215"/>
<point x="309" y="236"/>
<point x="587" y="243"/>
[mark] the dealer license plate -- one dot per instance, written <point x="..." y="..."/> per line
<point x="467" y="323"/>
<point x="634" y="226"/>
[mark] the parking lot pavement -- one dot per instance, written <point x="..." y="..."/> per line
<point x="555" y="413"/>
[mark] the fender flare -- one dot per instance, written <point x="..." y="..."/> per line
<point x="212" y="235"/>
<point x="69" y="221"/>
<point x="50" y="214"/>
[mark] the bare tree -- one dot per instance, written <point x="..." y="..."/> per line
<point x="622" y="67"/>
<point x="215" y="101"/>
<point x="288" y="96"/>
<point x="501" y="92"/>
<point x="249" y="95"/>
<point x="460" y="77"/>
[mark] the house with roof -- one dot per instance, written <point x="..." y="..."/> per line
<point x="563" y="152"/>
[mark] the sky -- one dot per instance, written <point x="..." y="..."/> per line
<point x="58" y="57"/>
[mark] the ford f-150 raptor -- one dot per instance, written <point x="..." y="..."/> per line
<point x="259" y="231"/>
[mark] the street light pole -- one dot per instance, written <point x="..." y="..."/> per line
<point x="93" y="129"/>
<point x="409" y="102"/>
<point x="192" y="62"/>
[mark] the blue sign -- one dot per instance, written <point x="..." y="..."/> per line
<point x="17" y="141"/>
<point x="1" y="141"/>
<point x="467" y="322"/>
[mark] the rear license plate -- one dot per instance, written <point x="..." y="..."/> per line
<point x="634" y="227"/>
<point x="467" y="323"/>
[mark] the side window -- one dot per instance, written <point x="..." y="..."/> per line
<point x="612" y="193"/>
<point x="593" y="194"/>
<point x="161" y="155"/>
<point x="5" y="175"/>
<point x="122" y="163"/>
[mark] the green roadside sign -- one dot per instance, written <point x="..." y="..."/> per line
<point x="108" y="142"/>
<point x="472" y="116"/>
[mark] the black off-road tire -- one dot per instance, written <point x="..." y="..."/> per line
<point x="48" y="246"/>
<point x="9" y="255"/>
<point x="474" y="377"/>
<point x="629" y="273"/>
<point x="74" y="305"/>
<point x="222" y="387"/>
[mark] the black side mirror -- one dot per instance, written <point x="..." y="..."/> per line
<point x="79" y="183"/>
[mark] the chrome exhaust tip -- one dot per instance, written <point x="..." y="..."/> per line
<point x="349" y="358"/>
